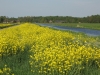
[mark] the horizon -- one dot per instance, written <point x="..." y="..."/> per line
<point x="52" y="16"/>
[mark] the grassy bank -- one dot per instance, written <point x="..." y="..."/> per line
<point x="80" y="25"/>
<point x="29" y="49"/>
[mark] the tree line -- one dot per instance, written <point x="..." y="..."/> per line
<point x="51" y="19"/>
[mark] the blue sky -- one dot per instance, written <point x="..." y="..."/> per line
<point x="76" y="8"/>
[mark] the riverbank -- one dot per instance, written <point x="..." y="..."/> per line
<point x="95" y="26"/>
<point x="90" y="32"/>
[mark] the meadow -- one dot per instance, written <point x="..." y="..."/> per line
<point x="5" y="25"/>
<point x="29" y="49"/>
<point x="95" y="26"/>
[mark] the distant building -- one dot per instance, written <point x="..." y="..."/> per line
<point x="50" y="21"/>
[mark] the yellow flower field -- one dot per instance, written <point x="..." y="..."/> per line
<point x="51" y="52"/>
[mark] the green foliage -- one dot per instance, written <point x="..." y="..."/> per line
<point x="52" y="19"/>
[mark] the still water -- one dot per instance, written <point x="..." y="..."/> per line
<point x="89" y="32"/>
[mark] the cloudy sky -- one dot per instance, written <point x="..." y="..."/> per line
<point x="76" y="8"/>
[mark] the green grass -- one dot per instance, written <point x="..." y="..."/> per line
<point x="80" y="25"/>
